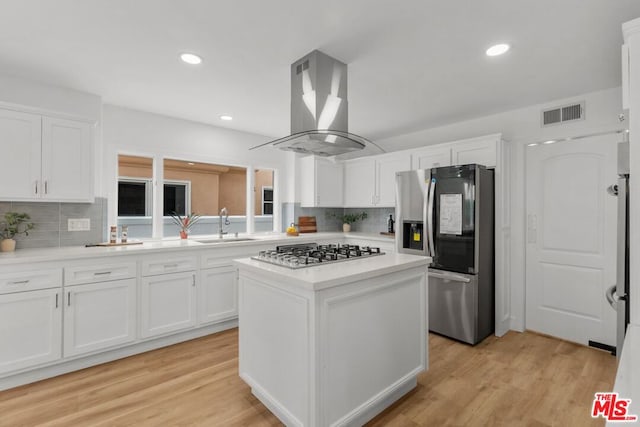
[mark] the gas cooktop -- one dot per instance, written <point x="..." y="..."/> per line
<point x="312" y="254"/>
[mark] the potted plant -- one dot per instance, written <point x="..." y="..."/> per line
<point x="348" y="219"/>
<point x="185" y="222"/>
<point x="14" y="223"/>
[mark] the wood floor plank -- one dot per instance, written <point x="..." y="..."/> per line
<point x="521" y="379"/>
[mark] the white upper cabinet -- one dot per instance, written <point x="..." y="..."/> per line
<point x="431" y="157"/>
<point x="67" y="160"/>
<point x="20" y="135"/>
<point x="481" y="151"/>
<point x="359" y="182"/>
<point x="321" y="182"/>
<point x="370" y="181"/>
<point x="51" y="158"/>
<point x="386" y="168"/>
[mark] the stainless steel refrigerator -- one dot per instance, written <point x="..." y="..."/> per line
<point x="618" y="294"/>
<point x="448" y="213"/>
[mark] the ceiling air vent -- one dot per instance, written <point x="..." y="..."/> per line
<point x="563" y="114"/>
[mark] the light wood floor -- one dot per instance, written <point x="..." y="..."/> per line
<point x="519" y="379"/>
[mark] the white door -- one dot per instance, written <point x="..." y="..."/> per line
<point x="168" y="303"/>
<point x="20" y="136"/>
<point x="386" y="168"/>
<point x="99" y="315"/>
<point x="571" y="239"/>
<point x="67" y="160"/>
<point x="217" y="294"/>
<point x="30" y="329"/>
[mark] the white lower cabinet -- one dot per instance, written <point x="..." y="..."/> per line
<point x="217" y="294"/>
<point x="30" y="328"/>
<point x="99" y="315"/>
<point x="168" y="303"/>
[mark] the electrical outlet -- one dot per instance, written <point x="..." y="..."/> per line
<point x="79" y="224"/>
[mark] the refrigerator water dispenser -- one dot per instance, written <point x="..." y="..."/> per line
<point x="413" y="235"/>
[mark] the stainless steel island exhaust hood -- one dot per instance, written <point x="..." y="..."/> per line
<point x="319" y="109"/>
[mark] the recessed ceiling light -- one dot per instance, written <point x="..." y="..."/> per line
<point x="497" y="49"/>
<point x="226" y="118"/>
<point x="549" y="142"/>
<point x="191" y="163"/>
<point x="533" y="144"/>
<point x="191" y="58"/>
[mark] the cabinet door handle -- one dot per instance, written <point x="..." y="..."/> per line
<point x="101" y="273"/>
<point x="69" y="299"/>
<point x="36" y="187"/>
<point x="20" y="282"/>
<point x="57" y="295"/>
<point x="46" y="187"/>
<point x="193" y="282"/>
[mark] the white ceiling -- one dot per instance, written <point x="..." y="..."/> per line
<point x="413" y="64"/>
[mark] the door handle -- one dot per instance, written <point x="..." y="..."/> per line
<point x="449" y="276"/>
<point x="611" y="296"/>
<point x="430" y="207"/>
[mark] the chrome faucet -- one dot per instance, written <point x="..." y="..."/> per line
<point x="223" y="212"/>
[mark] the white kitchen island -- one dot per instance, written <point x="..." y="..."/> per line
<point x="334" y="344"/>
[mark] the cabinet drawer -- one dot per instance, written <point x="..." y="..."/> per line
<point x="30" y="281"/>
<point x="76" y="275"/>
<point x="157" y="265"/>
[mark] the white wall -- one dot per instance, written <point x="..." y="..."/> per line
<point x="520" y="127"/>
<point x="151" y="135"/>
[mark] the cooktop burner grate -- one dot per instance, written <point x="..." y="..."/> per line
<point x="312" y="254"/>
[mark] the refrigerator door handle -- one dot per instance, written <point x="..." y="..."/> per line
<point x="449" y="276"/>
<point x="612" y="298"/>
<point x="432" y="191"/>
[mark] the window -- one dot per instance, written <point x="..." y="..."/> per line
<point x="135" y="194"/>
<point x="134" y="197"/>
<point x="267" y="200"/>
<point x="177" y="197"/>
<point x="190" y="187"/>
<point x="204" y="189"/>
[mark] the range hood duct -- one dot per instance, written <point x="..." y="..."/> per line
<point x="319" y="109"/>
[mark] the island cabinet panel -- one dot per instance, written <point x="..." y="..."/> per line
<point x="217" y="294"/>
<point x="368" y="352"/>
<point x="31" y="329"/>
<point x="168" y="303"/>
<point x="99" y="316"/>
<point x="319" y="354"/>
<point x="275" y="338"/>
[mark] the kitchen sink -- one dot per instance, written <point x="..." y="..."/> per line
<point x="225" y="240"/>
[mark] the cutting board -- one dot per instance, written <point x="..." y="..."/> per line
<point x="307" y="224"/>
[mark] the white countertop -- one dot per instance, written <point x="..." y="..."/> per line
<point x="333" y="274"/>
<point x="628" y="376"/>
<point x="22" y="256"/>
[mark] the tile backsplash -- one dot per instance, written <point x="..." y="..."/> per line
<point x="50" y="221"/>
<point x="375" y="222"/>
